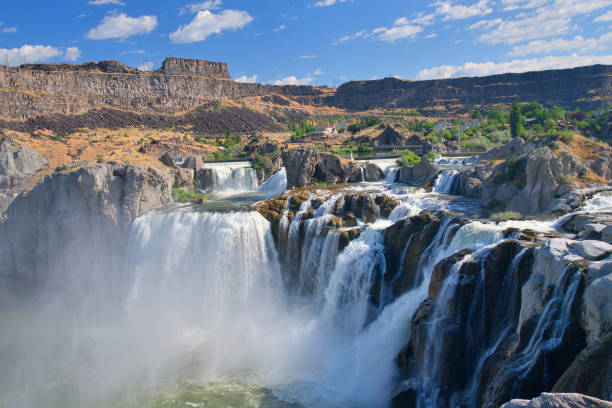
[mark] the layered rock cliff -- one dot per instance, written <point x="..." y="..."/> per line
<point x="585" y="88"/>
<point x="180" y="84"/>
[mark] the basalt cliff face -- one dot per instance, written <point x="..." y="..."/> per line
<point x="180" y="84"/>
<point x="585" y="88"/>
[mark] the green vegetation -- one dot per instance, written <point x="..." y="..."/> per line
<point x="363" y="124"/>
<point x="99" y="158"/>
<point x="408" y="159"/>
<point x="181" y="195"/>
<point x="420" y="125"/>
<point x="364" y="149"/>
<point x="231" y="139"/>
<point x="301" y="129"/>
<point x="506" y="216"/>
<point x="514" y="172"/>
<point x="516" y="124"/>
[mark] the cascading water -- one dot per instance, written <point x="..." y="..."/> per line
<point x="208" y="298"/>
<point x="276" y="184"/>
<point x="232" y="177"/>
<point x="444" y="182"/>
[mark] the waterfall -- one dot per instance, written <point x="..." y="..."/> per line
<point x="444" y="182"/>
<point x="228" y="177"/>
<point x="276" y="184"/>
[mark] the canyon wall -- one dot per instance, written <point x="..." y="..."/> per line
<point x="585" y="87"/>
<point x="180" y="84"/>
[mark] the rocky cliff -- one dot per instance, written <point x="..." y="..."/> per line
<point x="180" y="84"/>
<point x="76" y="221"/>
<point x="585" y="87"/>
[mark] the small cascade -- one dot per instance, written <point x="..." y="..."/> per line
<point x="391" y="174"/>
<point x="276" y="184"/>
<point x="233" y="177"/>
<point x="444" y="182"/>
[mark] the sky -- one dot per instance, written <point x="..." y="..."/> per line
<point x="316" y="42"/>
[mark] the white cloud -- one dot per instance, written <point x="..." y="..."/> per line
<point x="576" y="44"/>
<point x="11" y="30"/>
<point x="205" y="5"/>
<point x="308" y="56"/>
<point x="402" y="28"/>
<point x="103" y="2"/>
<point x="604" y="17"/>
<point x="279" y="28"/>
<point x="122" y="26"/>
<point x="518" y="65"/>
<point x="72" y="54"/>
<point x="326" y="3"/>
<point x="292" y="80"/>
<point x="206" y="23"/>
<point x="138" y="52"/>
<point x="247" y="79"/>
<point x="432" y="35"/>
<point x="522" y="4"/>
<point x="147" y="66"/>
<point x="549" y="19"/>
<point x="452" y="11"/>
<point x="28" y="54"/>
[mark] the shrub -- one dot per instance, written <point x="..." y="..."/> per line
<point x="506" y="216"/>
<point x="566" y="137"/>
<point x="99" y="158"/>
<point x="408" y="159"/>
<point x="364" y="149"/>
<point x="181" y="195"/>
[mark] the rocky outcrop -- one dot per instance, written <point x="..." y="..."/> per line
<point x="183" y="66"/>
<point x="535" y="180"/>
<point x="421" y="173"/>
<point x="18" y="164"/>
<point x="179" y="85"/>
<point x="72" y="227"/>
<point x="305" y="165"/>
<point x="549" y="400"/>
<point x="566" y="88"/>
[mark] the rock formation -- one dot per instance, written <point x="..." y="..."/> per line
<point x="549" y="400"/>
<point x="77" y="222"/>
<point x="583" y="87"/>
<point x="306" y="165"/>
<point x="421" y="173"/>
<point x="18" y="164"/>
<point x="180" y="84"/>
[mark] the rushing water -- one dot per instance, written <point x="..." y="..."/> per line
<point x="209" y="313"/>
<point x="230" y="177"/>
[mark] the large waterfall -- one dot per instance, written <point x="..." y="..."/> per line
<point x="294" y="313"/>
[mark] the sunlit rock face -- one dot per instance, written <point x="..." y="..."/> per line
<point x="74" y="225"/>
<point x="364" y="295"/>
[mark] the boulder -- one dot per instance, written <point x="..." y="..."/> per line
<point x="18" y="164"/>
<point x="372" y="172"/>
<point x="300" y="165"/>
<point x="183" y="178"/>
<point x="193" y="162"/>
<point x="421" y="173"/>
<point x="549" y="400"/>
<point x="167" y="160"/>
<point x="596" y="310"/>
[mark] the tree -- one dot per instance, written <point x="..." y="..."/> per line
<point x="516" y="126"/>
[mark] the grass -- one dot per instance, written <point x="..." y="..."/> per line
<point x="182" y="195"/>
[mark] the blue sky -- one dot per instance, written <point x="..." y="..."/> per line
<point x="324" y="42"/>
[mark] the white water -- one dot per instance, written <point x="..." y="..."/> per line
<point x="599" y="202"/>
<point x="276" y="184"/>
<point x="444" y="182"/>
<point x="231" y="177"/>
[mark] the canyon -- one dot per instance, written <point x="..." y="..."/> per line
<point x="309" y="280"/>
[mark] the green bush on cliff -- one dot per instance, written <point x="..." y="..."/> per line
<point x="408" y="159"/>
<point x="181" y="195"/>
